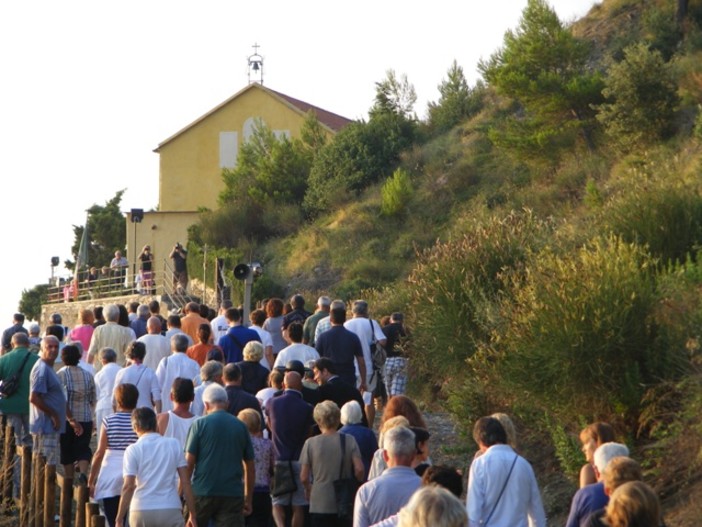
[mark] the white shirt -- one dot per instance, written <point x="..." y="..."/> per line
<point x="219" y="326"/>
<point x="169" y="369"/>
<point x="197" y="407"/>
<point x="520" y="504"/>
<point x="144" y="379"/>
<point x="157" y="347"/>
<point x="296" y="351"/>
<point x="154" y="460"/>
<point x="362" y="328"/>
<point x="105" y="385"/>
<point x="267" y="342"/>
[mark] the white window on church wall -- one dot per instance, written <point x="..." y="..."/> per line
<point x="279" y="134"/>
<point x="228" y="149"/>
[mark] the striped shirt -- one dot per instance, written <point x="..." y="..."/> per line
<point x="80" y="392"/>
<point x="118" y="428"/>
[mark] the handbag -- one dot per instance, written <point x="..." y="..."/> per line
<point x="344" y="488"/>
<point x="283" y="479"/>
<point x="10" y="385"/>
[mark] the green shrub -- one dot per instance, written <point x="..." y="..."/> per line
<point x="662" y="213"/>
<point x="641" y="97"/>
<point x="396" y="193"/>
<point x="454" y="289"/>
<point x="578" y="333"/>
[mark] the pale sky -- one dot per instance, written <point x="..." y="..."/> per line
<point x="89" y="88"/>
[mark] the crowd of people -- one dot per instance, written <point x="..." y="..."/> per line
<point x="203" y="418"/>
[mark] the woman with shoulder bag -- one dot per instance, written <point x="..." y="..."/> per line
<point x="324" y="462"/>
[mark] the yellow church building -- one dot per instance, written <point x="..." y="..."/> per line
<point x="192" y="159"/>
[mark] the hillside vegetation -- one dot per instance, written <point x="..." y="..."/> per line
<point x="541" y="229"/>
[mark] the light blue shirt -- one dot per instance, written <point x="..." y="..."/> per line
<point x="384" y="496"/>
<point x="44" y="381"/>
<point x="520" y="504"/>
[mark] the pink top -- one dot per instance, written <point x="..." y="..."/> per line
<point x="82" y="334"/>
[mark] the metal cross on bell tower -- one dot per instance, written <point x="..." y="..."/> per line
<point x="255" y="63"/>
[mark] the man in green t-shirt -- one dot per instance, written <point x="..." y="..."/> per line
<point x="219" y="451"/>
<point x="16" y="406"/>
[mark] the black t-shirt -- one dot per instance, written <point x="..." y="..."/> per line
<point x="146" y="262"/>
<point x="394" y="334"/>
<point x="296" y="315"/>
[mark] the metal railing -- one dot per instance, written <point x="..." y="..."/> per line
<point x="112" y="283"/>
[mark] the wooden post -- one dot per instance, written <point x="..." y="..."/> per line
<point x="39" y="491"/>
<point x="91" y="509"/>
<point x="97" y="521"/>
<point x="8" y="458"/>
<point x="26" y="486"/>
<point x="66" y="503"/>
<point x="49" y="494"/>
<point x="81" y="500"/>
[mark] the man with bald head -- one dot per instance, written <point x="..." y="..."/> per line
<point x="290" y="421"/>
<point x="157" y="346"/>
<point x="16" y="406"/>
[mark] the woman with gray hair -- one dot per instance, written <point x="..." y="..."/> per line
<point x="105" y="385"/>
<point x="320" y="461"/>
<point x="351" y="417"/>
<point x="210" y="373"/>
<point x="254" y="376"/>
<point x="150" y="492"/>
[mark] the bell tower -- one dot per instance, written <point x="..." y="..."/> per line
<point x="255" y="63"/>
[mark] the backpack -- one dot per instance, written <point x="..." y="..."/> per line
<point x="377" y="352"/>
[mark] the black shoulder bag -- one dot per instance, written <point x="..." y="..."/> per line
<point x="9" y="386"/>
<point x="344" y="488"/>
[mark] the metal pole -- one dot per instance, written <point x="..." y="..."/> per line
<point x="248" y="284"/>
<point x="204" y="275"/>
<point x="135" y="254"/>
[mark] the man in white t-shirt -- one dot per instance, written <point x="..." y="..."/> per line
<point x="368" y="331"/>
<point x="178" y="364"/>
<point x="219" y="324"/>
<point x="257" y="318"/>
<point x="296" y="350"/>
<point x="150" y="491"/>
<point x="157" y="346"/>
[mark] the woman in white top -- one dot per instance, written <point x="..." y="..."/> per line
<point x="150" y="492"/>
<point x="105" y="385"/>
<point x="105" y="480"/>
<point x="176" y="423"/>
<point x="140" y="376"/>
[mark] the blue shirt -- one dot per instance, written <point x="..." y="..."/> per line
<point x="384" y="496"/>
<point x="586" y="501"/>
<point x="233" y="343"/>
<point x="367" y="442"/>
<point x="341" y="346"/>
<point x="290" y="421"/>
<point x="520" y="501"/>
<point x="44" y="381"/>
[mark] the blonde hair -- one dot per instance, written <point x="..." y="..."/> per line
<point x="506" y="422"/>
<point x="619" y="471"/>
<point x="398" y="420"/>
<point x="433" y="506"/>
<point x="326" y="414"/>
<point x="253" y="351"/>
<point x="251" y="419"/>
<point x="633" y="504"/>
